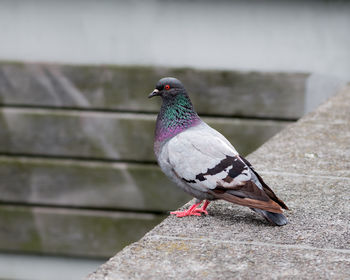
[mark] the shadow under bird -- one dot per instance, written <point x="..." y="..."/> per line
<point x="202" y="162"/>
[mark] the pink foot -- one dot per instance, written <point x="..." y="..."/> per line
<point x="185" y="213"/>
<point x="189" y="212"/>
<point x="192" y="211"/>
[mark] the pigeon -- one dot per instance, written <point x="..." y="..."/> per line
<point x="203" y="163"/>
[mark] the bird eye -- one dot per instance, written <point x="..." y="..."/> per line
<point x="167" y="87"/>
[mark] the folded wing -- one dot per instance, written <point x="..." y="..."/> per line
<point x="206" y="161"/>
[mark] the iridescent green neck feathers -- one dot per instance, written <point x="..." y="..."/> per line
<point x="176" y="115"/>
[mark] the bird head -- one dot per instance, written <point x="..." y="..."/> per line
<point x="168" y="88"/>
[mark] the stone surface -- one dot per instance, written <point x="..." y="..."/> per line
<point x="159" y="257"/>
<point x="272" y="95"/>
<point x="307" y="165"/>
<point x="112" y="136"/>
<point x="70" y="232"/>
<point x="87" y="184"/>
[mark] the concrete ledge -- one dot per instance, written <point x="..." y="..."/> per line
<point x="308" y="165"/>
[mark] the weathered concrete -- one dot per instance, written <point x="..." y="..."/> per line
<point x="70" y="232"/>
<point x="87" y="184"/>
<point x="308" y="166"/>
<point x="125" y="88"/>
<point x="113" y="136"/>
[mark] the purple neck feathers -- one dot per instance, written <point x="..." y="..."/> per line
<point x="176" y="115"/>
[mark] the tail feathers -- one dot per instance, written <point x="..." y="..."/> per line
<point x="276" y="219"/>
<point x="266" y="204"/>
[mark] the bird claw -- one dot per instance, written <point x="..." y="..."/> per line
<point x="192" y="211"/>
<point x="200" y="210"/>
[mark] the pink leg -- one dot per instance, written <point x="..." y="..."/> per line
<point x="203" y="208"/>
<point x="189" y="212"/>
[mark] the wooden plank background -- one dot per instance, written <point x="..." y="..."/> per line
<point x="77" y="170"/>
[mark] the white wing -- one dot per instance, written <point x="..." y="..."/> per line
<point x="204" y="159"/>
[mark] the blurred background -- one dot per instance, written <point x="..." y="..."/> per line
<point x="78" y="179"/>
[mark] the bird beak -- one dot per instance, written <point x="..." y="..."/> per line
<point x="155" y="92"/>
